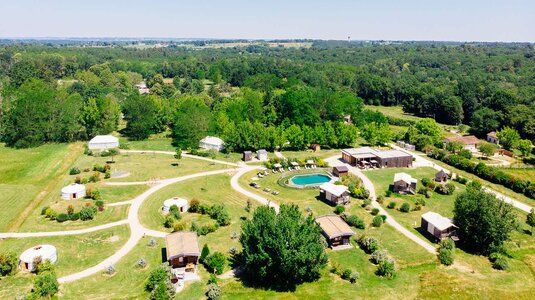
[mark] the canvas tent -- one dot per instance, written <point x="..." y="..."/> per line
<point x="35" y="254"/>
<point x="73" y="191"/>
<point x="182" y="204"/>
<point x="212" y="143"/>
<point x="103" y="142"/>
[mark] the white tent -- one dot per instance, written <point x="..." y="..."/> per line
<point x="37" y="253"/>
<point x="102" y="142"/>
<point x="73" y="191"/>
<point x="182" y="204"/>
<point x="211" y="142"/>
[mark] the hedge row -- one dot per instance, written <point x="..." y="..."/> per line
<point x="492" y="174"/>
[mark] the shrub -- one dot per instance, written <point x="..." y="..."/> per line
<point x="339" y="209"/>
<point x="447" y="244"/>
<point x="213" y="291"/>
<point x="50" y="214"/>
<point x="87" y="213"/>
<point x="99" y="204"/>
<point x="174" y="212"/>
<point x="446" y="189"/>
<point x="179" y="226"/>
<point x="377" y="221"/>
<point x="158" y="276"/>
<point x="346" y="274"/>
<point x="386" y="269"/>
<point x="194" y="205"/>
<point x="445" y="256"/>
<point x="75" y="216"/>
<point x="379" y="256"/>
<point x="46" y="284"/>
<point x="219" y="213"/>
<point x="383" y="217"/>
<point x="461" y="180"/>
<point x="405" y="207"/>
<point x="366" y="202"/>
<point x="355" y="221"/>
<point x="212" y="279"/>
<point x="62" y="217"/>
<point x="43" y="210"/>
<point x="74" y="171"/>
<point x="204" y="230"/>
<point x="8" y="263"/>
<point x="107" y="174"/>
<point x="95" y="177"/>
<point x="168" y="222"/>
<point x="388" y="193"/>
<point x="215" y="262"/>
<point x="368" y="244"/>
<point x="420" y="201"/>
<point x="392" y="205"/>
<point x="501" y="263"/>
<point x="375" y="211"/>
<point x="354" y="276"/>
<point x="380" y="199"/>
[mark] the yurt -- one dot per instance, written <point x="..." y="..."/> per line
<point x="38" y="253"/>
<point x="182" y="204"/>
<point x="212" y="143"/>
<point x="102" y="142"/>
<point x="73" y="191"/>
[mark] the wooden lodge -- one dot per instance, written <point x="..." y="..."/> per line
<point x="334" y="194"/>
<point x="366" y="157"/>
<point x="182" y="249"/>
<point x="404" y="184"/>
<point x="336" y="231"/>
<point x="441" y="176"/>
<point x="438" y="226"/>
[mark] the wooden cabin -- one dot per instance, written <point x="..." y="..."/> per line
<point x="334" y="194"/>
<point x="336" y="231"/>
<point x="182" y="249"/>
<point x="247" y="155"/>
<point x="404" y="183"/>
<point x="340" y="171"/>
<point x="441" y="176"/>
<point x="438" y="226"/>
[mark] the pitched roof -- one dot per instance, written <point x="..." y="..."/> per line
<point x="212" y="140"/>
<point x="182" y="243"/>
<point x="492" y="134"/>
<point x="465" y="140"/>
<point x="404" y="177"/>
<point x="341" y="168"/>
<point x="438" y="221"/>
<point x="100" y="139"/>
<point x="441" y="173"/>
<point x="333" y="226"/>
<point x="261" y="151"/>
<point x="334" y="189"/>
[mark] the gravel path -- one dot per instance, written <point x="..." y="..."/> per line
<point x="237" y="187"/>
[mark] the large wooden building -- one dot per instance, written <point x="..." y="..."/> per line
<point x="366" y="157"/>
<point x="336" y="231"/>
<point x="182" y="249"/>
<point x="438" y="226"/>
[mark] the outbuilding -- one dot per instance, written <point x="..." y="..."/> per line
<point x="73" y="191"/>
<point x="336" y="231"/>
<point x="441" y="176"/>
<point x="404" y="183"/>
<point x="262" y="155"/>
<point x="340" y="171"/>
<point x="103" y="142"/>
<point x="29" y="259"/>
<point x="440" y="227"/>
<point x="182" y="250"/>
<point x="492" y="137"/>
<point x="333" y="193"/>
<point x="182" y="204"/>
<point x="315" y="147"/>
<point x="212" y="143"/>
<point x="247" y="155"/>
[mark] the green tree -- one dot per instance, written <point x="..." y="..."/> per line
<point x="190" y="122"/>
<point x="508" y="137"/>
<point x="524" y="146"/>
<point x="46" y="284"/>
<point x="530" y="219"/>
<point x="488" y="149"/>
<point x="426" y="132"/>
<point x="281" y="250"/>
<point x="8" y="263"/>
<point x="377" y="133"/>
<point x="485" y="120"/>
<point x="484" y="221"/>
<point x="142" y="116"/>
<point x="294" y="135"/>
<point x="215" y="262"/>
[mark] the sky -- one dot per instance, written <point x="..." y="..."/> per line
<point x="444" y="20"/>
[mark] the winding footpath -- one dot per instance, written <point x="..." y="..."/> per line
<point x="424" y="162"/>
<point x="238" y="188"/>
<point x="368" y="185"/>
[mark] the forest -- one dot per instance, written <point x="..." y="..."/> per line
<point x="258" y="96"/>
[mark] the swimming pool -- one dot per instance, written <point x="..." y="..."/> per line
<point x="309" y="179"/>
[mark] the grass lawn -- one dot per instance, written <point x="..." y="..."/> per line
<point x="208" y="190"/>
<point x="27" y="176"/>
<point x="393" y="111"/>
<point x="323" y="153"/>
<point x="112" y="194"/>
<point x="524" y="173"/>
<point x="75" y="253"/>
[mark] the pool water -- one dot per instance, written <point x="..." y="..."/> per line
<point x="311" y="179"/>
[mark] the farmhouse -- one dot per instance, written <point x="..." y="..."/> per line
<point x="404" y="183"/>
<point x="437" y="225"/>
<point x="335" y="194"/>
<point x="469" y="142"/>
<point x="340" y="171"/>
<point x="212" y="143"/>
<point x="182" y="249"/>
<point x="40" y="253"/>
<point x="492" y="137"/>
<point x="247" y="155"/>
<point x="73" y="191"/>
<point x="103" y="142"/>
<point x="365" y="157"/>
<point x="336" y="231"/>
<point x="262" y="155"/>
<point x="182" y="204"/>
<point x="441" y="176"/>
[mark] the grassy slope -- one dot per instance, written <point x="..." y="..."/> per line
<point x="75" y="253"/>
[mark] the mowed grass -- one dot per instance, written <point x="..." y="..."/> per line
<point x="524" y="173"/>
<point x="75" y="253"/>
<point x="209" y="190"/>
<point x="394" y="112"/>
<point x="323" y="154"/>
<point x="25" y="176"/>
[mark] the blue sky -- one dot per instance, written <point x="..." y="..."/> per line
<point x="468" y="20"/>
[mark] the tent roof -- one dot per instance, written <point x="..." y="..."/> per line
<point x="44" y="251"/>
<point x="334" y="189"/>
<point x="101" y="139"/>
<point x="212" y="140"/>
<point x="334" y="226"/>
<point x="175" y="201"/>
<point x="438" y="221"/>
<point x="404" y="177"/>
<point x="73" y="188"/>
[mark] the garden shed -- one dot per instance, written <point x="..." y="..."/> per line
<point x="247" y="155"/>
<point x="182" y="204"/>
<point x="103" y="142"/>
<point x="262" y="155"/>
<point x="441" y="176"/>
<point x="73" y="191"/>
<point x="333" y="193"/>
<point x="437" y="225"/>
<point x="40" y="253"/>
<point x="182" y="249"/>
<point x="336" y="231"/>
<point x="212" y="143"/>
<point x="340" y="171"/>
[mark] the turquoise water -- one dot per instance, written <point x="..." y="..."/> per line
<point x="312" y="179"/>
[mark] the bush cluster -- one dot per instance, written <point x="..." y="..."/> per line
<point x="368" y="244"/>
<point x="87" y="212"/>
<point x="445" y="251"/>
<point x="405" y="207"/>
<point x="354" y="221"/>
<point x="499" y="261"/>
